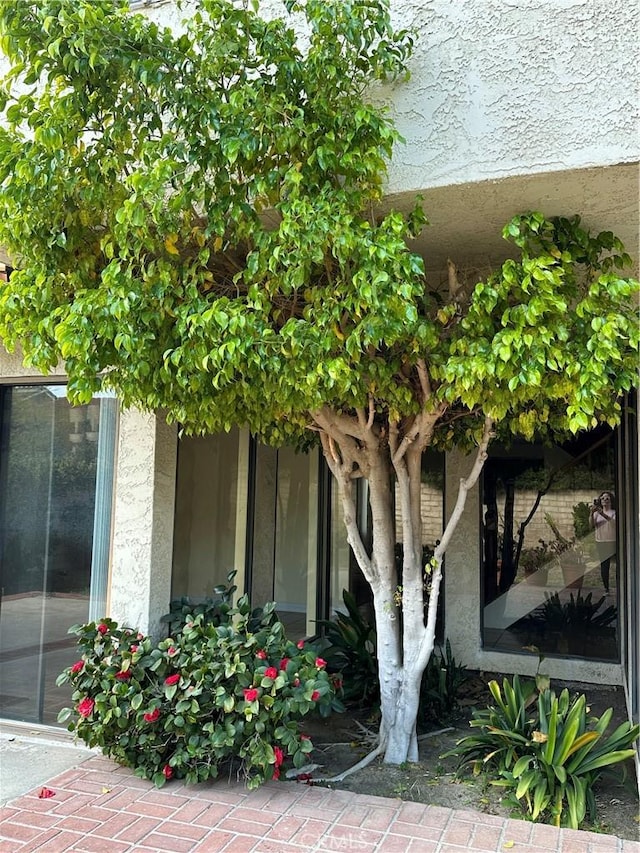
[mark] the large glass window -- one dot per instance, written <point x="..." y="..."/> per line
<point x="550" y="566"/>
<point x="210" y="513"/>
<point x="56" y="484"/>
<point x="284" y="566"/>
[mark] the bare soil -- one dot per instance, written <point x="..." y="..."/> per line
<point x="341" y="741"/>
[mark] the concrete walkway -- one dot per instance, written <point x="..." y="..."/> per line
<point x="99" y="807"/>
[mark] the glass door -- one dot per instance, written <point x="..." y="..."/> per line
<point x="285" y="555"/>
<point x="56" y="484"/>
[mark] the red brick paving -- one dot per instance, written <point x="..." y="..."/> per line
<point x="99" y="807"/>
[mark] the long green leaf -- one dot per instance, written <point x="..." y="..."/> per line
<point x="541" y="798"/>
<point x="604" y="721"/>
<point x="560" y="772"/>
<point x="521" y="765"/>
<point x="576" y="801"/>
<point x="494" y="689"/>
<point x="525" y="783"/>
<point x="550" y="745"/>
<point x="566" y="739"/>
<point x="605" y="760"/>
<point x="582" y="740"/>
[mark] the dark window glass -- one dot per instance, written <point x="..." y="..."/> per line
<point x="550" y="567"/>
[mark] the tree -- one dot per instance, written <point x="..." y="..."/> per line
<point x="195" y="221"/>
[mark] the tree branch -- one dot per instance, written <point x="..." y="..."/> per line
<point x="372" y="412"/>
<point x="341" y="470"/>
<point x="362" y="763"/>
<point x="454" y="284"/>
<point x="425" y="382"/>
<point x="466" y="483"/>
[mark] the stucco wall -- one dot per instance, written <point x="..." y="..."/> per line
<point x="506" y="87"/>
<point x="140" y="581"/>
<point x="512" y="105"/>
<point x="12" y="368"/>
<point x="509" y="87"/>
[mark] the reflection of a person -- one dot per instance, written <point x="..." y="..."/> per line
<point x="602" y="518"/>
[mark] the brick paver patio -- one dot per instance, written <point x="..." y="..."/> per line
<point x="99" y="807"/>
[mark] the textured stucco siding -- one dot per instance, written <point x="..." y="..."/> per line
<point x="516" y="87"/>
<point x="140" y="582"/>
<point x="501" y="88"/>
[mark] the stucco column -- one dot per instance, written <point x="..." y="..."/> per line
<point x="140" y="582"/>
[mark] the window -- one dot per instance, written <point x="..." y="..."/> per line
<point x="56" y="484"/>
<point x="550" y="565"/>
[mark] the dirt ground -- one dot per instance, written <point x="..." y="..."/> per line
<point x="341" y="741"/>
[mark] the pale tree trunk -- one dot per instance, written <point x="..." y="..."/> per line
<point x="353" y="448"/>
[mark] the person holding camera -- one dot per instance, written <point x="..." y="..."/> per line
<point x="602" y="519"/>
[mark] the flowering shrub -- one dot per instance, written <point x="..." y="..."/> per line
<point x="185" y="706"/>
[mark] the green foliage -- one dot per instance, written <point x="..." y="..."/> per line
<point x="505" y="727"/>
<point x="193" y="216"/>
<point x="440" y="687"/>
<point x="189" y="706"/>
<point x="547" y="753"/>
<point x="351" y="650"/>
<point x="581" y="525"/>
<point x="215" y="610"/>
<point x="579" y="613"/>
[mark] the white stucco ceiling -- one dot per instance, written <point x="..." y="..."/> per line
<point x="466" y="220"/>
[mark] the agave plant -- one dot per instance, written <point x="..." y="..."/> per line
<point x="505" y="728"/>
<point x="566" y="757"/>
<point x="578" y="612"/>
<point x="551" y="759"/>
<point x="351" y="650"/>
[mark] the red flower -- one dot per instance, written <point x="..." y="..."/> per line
<point x="250" y="694"/>
<point x="85" y="708"/>
<point x="123" y="675"/>
<point x="78" y="666"/>
<point x="103" y="629"/>
<point x="320" y="663"/>
<point x="261" y="654"/>
<point x="133" y="649"/>
<point x="296" y="682"/>
<point x="300" y="644"/>
<point x="315" y="696"/>
<point x="167" y="771"/>
<point x="171" y="651"/>
<point x="45" y="793"/>
<point x="276" y="773"/>
<point x="140" y="636"/>
<point x="305" y="737"/>
<point x="279" y="754"/>
<point x="172" y="679"/>
<point x="271" y="672"/>
<point x="152" y="716"/>
<point x="337" y="682"/>
<point x="284" y="662"/>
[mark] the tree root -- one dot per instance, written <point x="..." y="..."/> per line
<point x="370" y="756"/>
<point x="427" y="735"/>
<point x="362" y="763"/>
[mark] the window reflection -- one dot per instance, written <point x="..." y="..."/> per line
<point x="548" y="583"/>
<point x="56" y="470"/>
